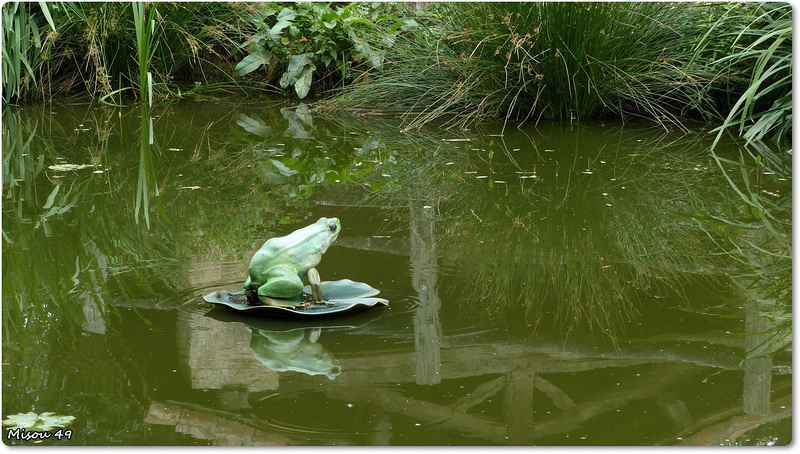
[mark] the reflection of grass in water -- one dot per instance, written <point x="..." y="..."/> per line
<point x="550" y="246"/>
<point x="551" y="269"/>
<point x="67" y="237"/>
<point x="85" y="241"/>
<point x="759" y="239"/>
<point x="560" y="251"/>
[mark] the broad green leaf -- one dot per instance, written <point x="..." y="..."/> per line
<point x="52" y="197"/>
<point x="303" y="84"/>
<point x="255" y="125"/>
<point x="286" y="14"/>
<point x="297" y="65"/>
<point x="252" y="62"/>
<point x="276" y="29"/>
<point x="285" y="171"/>
<point x="284" y="82"/>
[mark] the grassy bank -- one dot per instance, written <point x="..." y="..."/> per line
<point x="460" y="63"/>
<point x="91" y="50"/>
<point x="94" y="49"/>
<point x="666" y="62"/>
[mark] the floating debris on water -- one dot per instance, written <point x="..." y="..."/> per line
<point x="191" y="187"/>
<point x="456" y="140"/>
<point x="69" y="167"/>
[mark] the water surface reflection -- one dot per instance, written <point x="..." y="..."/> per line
<point x="566" y="285"/>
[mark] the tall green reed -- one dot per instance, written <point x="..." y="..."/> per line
<point x="22" y="46"/>
<point x="145" y="25"/>
<point x="762" y="51"/>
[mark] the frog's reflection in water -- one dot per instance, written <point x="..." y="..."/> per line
<point x="295" y="350"/>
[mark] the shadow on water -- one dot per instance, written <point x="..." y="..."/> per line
<point x="566" y="285"/>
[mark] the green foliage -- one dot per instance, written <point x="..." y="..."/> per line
<point x="565" y="61"/>
<point x="145" y="25"/>
<point x="93" y="47"/>
<point x="22" y="44"/>
<point x="315" y="44"/>
<point x="762" y="56"/>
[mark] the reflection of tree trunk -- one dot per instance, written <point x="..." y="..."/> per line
<point x="757" y="371"/>
<point x="427" y="330"/>
<point x="218" y="356"/>
<point x="518" y="406"/>
<point x="95" y="321"/>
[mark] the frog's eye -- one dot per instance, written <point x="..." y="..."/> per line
<point x="332" y="226"/>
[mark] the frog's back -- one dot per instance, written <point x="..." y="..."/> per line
<point x="286" y="250"/>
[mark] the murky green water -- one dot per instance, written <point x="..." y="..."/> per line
<point x="559" y="285"/>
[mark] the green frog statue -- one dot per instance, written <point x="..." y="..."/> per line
<point x="274" y="286"/>
<point x="277" y="269"/>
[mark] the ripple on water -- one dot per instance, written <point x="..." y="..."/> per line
<point x="307" y="415"/>
<point x="206" y="277"/>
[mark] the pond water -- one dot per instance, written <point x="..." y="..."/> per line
<point x="593" y="284"/>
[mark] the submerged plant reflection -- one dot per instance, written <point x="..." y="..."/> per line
<point x="579" y="232"/>
<point x="758" y="239"/>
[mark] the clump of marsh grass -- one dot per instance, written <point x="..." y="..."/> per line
<point x="92" y="47"/>
<point x="520" y="61"/>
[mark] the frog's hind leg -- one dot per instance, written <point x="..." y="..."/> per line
<point x="250" y="292"/>
<point x="282" y="282"/>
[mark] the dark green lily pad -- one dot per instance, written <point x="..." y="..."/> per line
<point x="339" y="298"/>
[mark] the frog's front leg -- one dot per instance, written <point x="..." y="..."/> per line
<point x="281" y="282"/>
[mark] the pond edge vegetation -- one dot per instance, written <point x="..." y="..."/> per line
<point x="456" y="64"/>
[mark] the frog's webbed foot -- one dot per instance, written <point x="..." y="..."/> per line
<point x="252" y="297"/>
